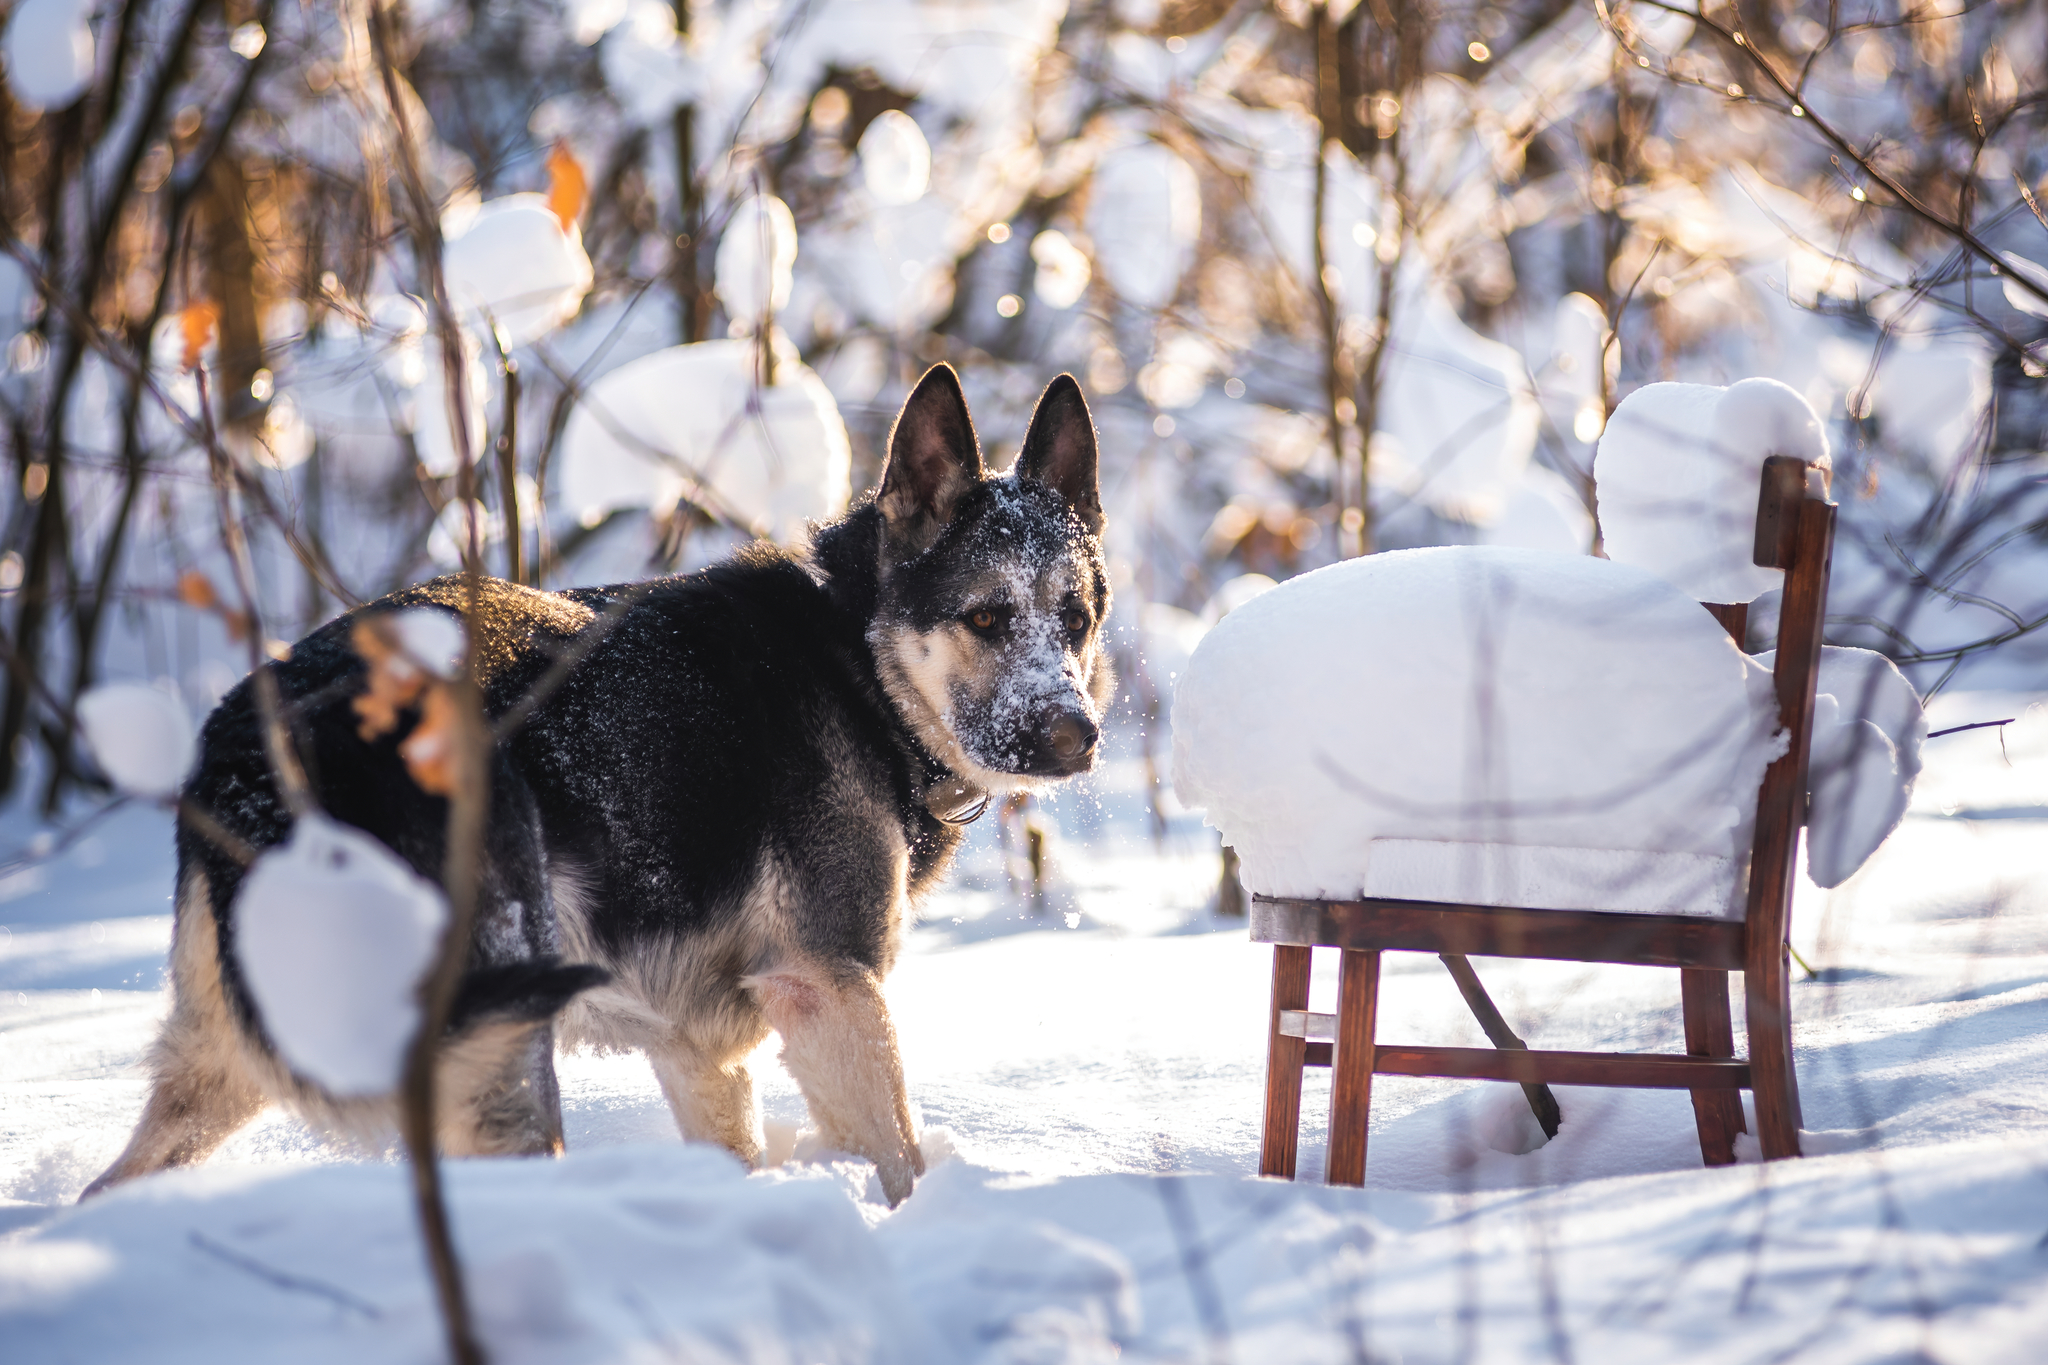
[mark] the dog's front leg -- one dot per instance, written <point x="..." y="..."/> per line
<point x="839" y="1044"/>
<point x="713" y="1100"/>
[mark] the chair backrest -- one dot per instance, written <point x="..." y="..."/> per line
<point x="1795" y="531"/>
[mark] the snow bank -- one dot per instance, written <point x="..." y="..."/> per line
<point x="334" y="933"/>
<point x="621" y="1254"/>
<point x="1865" y="754"/>
<point x="141" y="737"/>
<point x="1677" y="472"/>
<point x="516" y="267"/>
<point x="693" y="421"/>
<point x="1474" y="696"/>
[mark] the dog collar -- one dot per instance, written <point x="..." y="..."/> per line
<point x="955" y="800"/>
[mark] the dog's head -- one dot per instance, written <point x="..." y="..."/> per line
<point x="991" y="591"/>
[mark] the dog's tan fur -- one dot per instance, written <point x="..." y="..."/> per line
<point x="699" y="1007"/>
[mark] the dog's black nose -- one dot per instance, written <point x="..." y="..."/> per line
<point x="1072" y="736"/>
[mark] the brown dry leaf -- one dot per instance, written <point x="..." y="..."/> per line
<point x="197" y="323"/>
<point x="429" y="751"/>
<point x="394" y="682"/>
<point x="195" y="589"/>
<point x="567" y="189"/>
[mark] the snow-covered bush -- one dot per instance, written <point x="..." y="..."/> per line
<point x="516" y="267"/>
<point x="697" y="422"/>
<point x="50" y="51"/>
<point x="141" y="736"/>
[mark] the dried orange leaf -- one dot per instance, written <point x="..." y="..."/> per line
<point x="197" y="323"/>
<point x="195" y="589"/>
<point x="567" y="189"/>
<point x="429" y="751"/>
<point x="394" y="683"/>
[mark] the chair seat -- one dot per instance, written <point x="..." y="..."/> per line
<point x="1496" y="931"/>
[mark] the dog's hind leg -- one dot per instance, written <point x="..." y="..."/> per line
<point x="495" y="1088"/>
<point x="713" y="1101"/>
<point x="203" y="1086"/>
<point x="839" y="1044"/>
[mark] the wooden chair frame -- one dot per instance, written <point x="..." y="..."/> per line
<point x="1795" y="532"/>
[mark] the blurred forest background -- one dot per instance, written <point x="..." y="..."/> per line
<point x="379" y="286"/>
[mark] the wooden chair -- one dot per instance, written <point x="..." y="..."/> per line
<point x="1795" y="532"/>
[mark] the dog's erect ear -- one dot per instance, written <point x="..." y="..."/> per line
<point x="1059" y="450"/>
<point x="934" y="459"/>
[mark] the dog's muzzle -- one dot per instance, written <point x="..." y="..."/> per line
<point x="1070" y="739"/>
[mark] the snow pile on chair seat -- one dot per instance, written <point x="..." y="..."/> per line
<point x="1472" y="695"/>
<point x="1864" y="756"/>
<point x="1550" y="878"/>
<point x="1677" y="473"/>
<point x="621" y="1254"/>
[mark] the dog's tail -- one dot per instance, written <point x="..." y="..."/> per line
<point x="529" y="992"/>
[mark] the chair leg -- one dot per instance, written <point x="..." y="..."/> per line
<point x="1767" y="988"/>
<point x="1358" y="1002"/>
<point x="1709" y="1032"/>
<point x="1284" y="1060"/>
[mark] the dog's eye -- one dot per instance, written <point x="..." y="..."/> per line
<point x="1077" y="620"/>
<point x="983" y="619"/>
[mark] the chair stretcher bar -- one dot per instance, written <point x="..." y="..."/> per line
<point x="1626" y="1070"/>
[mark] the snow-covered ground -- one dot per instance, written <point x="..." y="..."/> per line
<point x="1094" y="1065"/>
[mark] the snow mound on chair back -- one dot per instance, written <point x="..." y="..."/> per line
<point x="1470" y="695"/>
<point x="1677" y="473"/>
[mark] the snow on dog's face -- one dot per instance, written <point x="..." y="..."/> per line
<point x="992" y="590"/>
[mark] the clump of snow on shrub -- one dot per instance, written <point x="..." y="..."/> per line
<point x="2017" y="294"/>
<point x="1863" y="759"/>
<point x="334" y="935"/>
<point x="50" y="52"/>
<point x="895" y="159"/>
<point x="1475" y="696"/>
<point x="695" y="421"/>
<point x="1063" y="269"/>
<point x="1678" y="469"/>
<point x="755" y="270"/>
<point x="431" y="639"/>
<point x="1542" y="512"/>
<point x="1144" y="216"/>
<point x="1460" y="416"/>
<point x="140" y="736"/>
<point x="515" y="267"/>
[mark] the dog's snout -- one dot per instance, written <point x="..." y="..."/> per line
<point x="1072" y="736"/>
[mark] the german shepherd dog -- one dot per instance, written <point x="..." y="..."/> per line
<point x="717" y="825"/>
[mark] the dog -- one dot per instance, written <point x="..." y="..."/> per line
<point x="717" y="823"/>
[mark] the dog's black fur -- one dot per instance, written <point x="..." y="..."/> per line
<point x="725" y="806"/>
